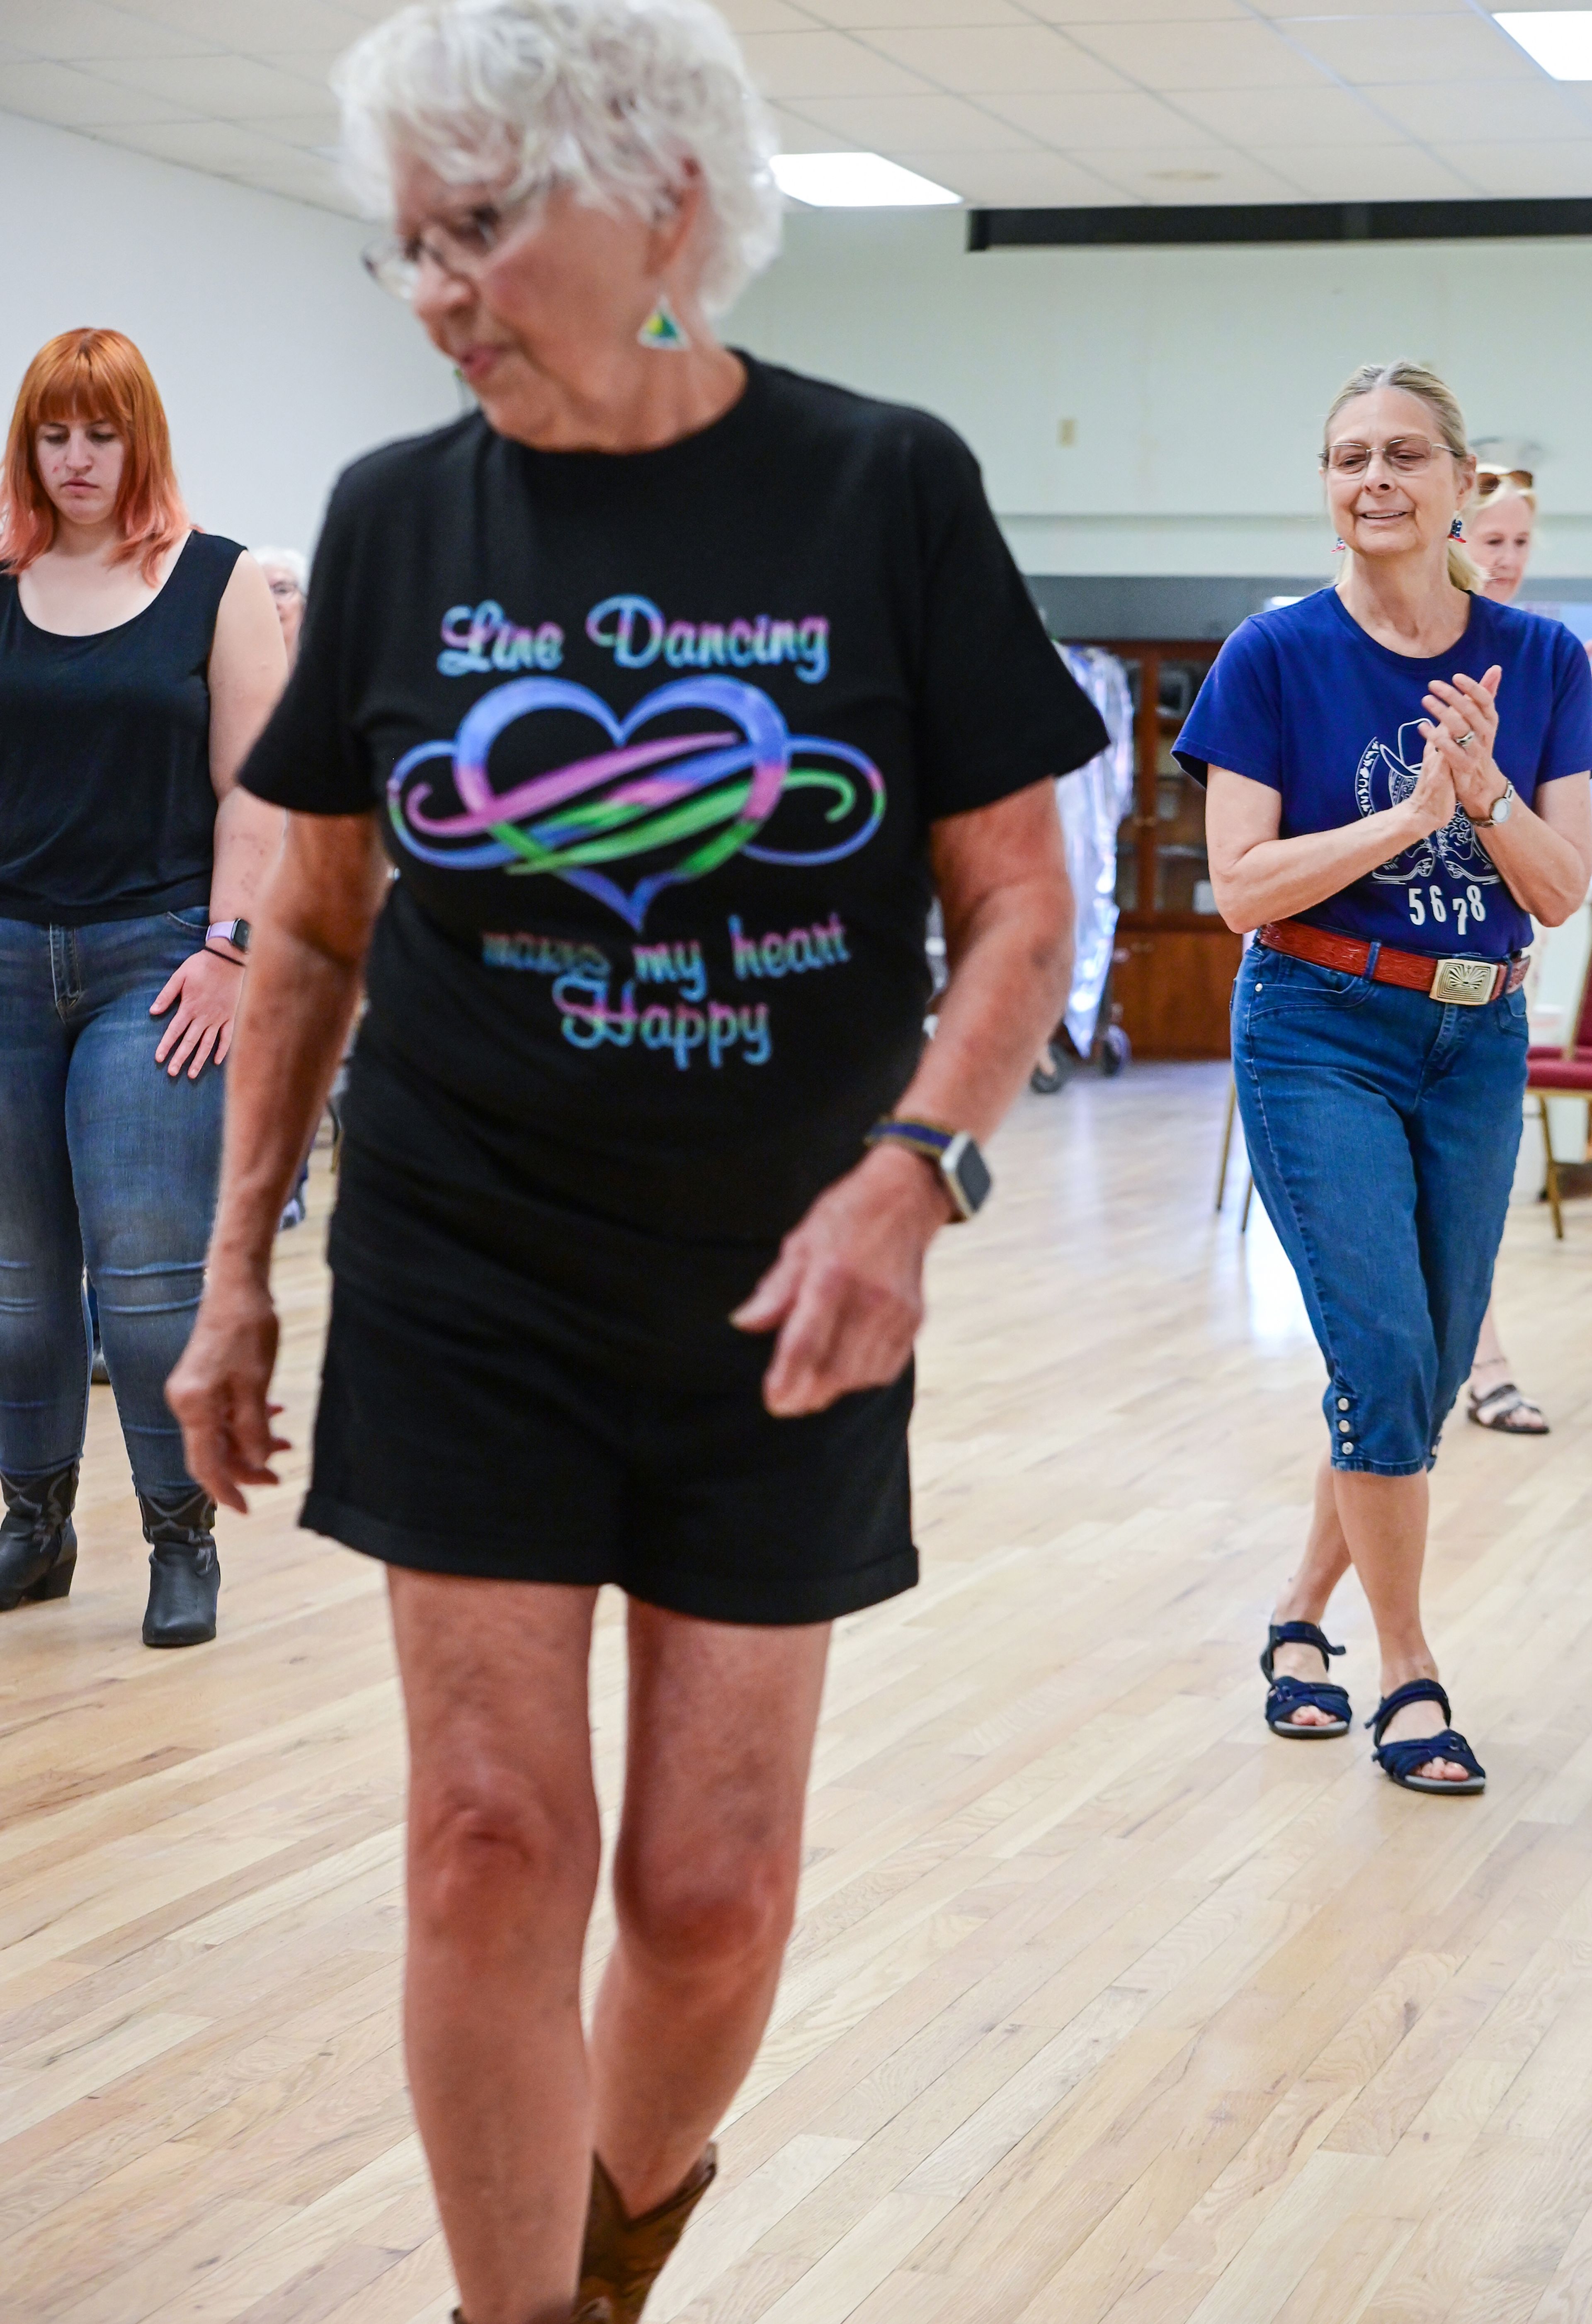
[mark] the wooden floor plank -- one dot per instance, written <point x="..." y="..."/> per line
<point x="1103" y="2007"/>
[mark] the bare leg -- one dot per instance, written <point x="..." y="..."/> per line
<point x="722" y="1719"/>
<point x="1325" y="1562"/>
<point x="1381" y="1525"/>
<point x="503" y="1864"/>
<point x="1489" y="1359"/>
<point x="1489" y="1372"/>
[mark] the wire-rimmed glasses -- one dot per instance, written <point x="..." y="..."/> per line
<point x="1406" y="455"/>
<point x="460" y="246"/>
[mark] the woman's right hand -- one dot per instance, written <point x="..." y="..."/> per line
<point x="1433" y="803"/>
<point x="219" y="1391"/>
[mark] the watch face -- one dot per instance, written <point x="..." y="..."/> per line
<point x="971" y="1173"/>
<point x="1501" y="808"/>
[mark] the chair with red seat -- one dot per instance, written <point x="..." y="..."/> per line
<point x="1562" y="1070"/>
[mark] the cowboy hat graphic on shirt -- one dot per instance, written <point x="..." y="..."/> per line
<point x="1383" y="779"/>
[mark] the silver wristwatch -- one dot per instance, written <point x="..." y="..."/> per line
<point x="1502" y="806"/>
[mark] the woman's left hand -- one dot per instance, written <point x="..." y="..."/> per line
<point x="846" y="1290"/>
<point x="207" y="988"/>
<point x="1464" y="726"/>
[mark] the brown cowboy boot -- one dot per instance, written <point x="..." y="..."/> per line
<point x="625" y="2257"/>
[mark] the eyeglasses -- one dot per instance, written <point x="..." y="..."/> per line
<point x="1406" y="455"/>
<point x="284" y="588"/>
<point x="1489" y="481"/>
<point x="459" y="246"/>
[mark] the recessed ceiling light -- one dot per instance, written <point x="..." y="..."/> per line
<point x="1559" y="40"/>
<point x="855" y="181"/>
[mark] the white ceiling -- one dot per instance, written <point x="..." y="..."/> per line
<point x="1011" y="102"/>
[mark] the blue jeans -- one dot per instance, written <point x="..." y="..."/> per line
<point x="103" y="1157"/>
<point x="1381" y="1129"/>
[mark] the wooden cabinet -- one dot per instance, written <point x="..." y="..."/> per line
<point x="1176" y="958"/>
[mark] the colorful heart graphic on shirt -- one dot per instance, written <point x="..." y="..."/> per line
<point x="694" y="799"/>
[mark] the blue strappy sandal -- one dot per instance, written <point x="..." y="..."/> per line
<point x="1398" y="1760"/>
<point x="1287" y="1695"/>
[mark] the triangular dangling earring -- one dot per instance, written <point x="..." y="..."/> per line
<point x="663" y="327"/>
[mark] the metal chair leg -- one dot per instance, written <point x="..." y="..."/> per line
<point x="1248" y="1198"/>
<point x="1227" y="1143"/>
<point x="1553" y="1171"/>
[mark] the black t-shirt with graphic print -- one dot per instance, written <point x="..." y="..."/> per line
<point x="656" y="740"/>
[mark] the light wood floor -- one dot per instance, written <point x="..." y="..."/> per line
<point x="1102" y="2004"/>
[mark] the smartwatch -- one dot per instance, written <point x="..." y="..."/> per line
<point x="232" y="932"/>
<point x="963" y="1169"/>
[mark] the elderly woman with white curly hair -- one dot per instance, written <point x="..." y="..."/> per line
<point x="676" y="687"/>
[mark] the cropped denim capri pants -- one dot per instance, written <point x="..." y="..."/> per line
<point x="1382" y="1128"/>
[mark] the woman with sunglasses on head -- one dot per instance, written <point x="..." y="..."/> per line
<point x="676" y="686"/>
<point x="1397" y="773"/>
<point x="1500" y="523"/>
<point x="139" y="658"/>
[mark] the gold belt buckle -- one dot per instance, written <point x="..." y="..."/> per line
<point x="1468" y="982"/>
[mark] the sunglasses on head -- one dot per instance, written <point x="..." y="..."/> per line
<point x="1489" y="481"/>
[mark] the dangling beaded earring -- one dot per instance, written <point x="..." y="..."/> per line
<point x="1456" y="530"/>
<point x="663" y="327"/>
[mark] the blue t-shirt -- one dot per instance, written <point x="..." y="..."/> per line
<point x="1304" y="700"/>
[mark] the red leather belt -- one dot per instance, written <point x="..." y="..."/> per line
<point x="1470" y="982"/>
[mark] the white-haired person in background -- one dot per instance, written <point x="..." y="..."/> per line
<point x="676" y="686"/>
<point x="287" y="572"/>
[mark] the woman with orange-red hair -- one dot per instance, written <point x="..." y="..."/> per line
<point x="138" y="658"/>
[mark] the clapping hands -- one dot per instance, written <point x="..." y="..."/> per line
<point x="1460" y="730"/>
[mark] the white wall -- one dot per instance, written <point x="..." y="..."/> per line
<point x="1196" y="378"/>
<point x="277" y="357"/>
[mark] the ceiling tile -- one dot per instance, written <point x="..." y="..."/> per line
<point x="1200" y="56"/>
<point x="1088" y="124"/>
<point x="233" y="89"/>
<point x="1014" y="180"/>
<point x="871" y="16"/>
<point x="304" y="179"/>
<point x="998" y="57"/>
<point x="824" y="64"/>
<point x="1110" y="12"/>
<point x="1543" y="166"/>
<point x="1366" y="173"/>
<point x="1322" y="116"/>
<point x="1194" y="175"/>
<point x="764" y="16"/>
<point x="65" y="29"/>
<point x="224" y="148"/>
<point x="1369" y="49"/>
<point x="309" y="133"/>
<point x="929" y="124"/>
<point x="797" y="135"/>
<point x="79" y="100"/>
<point x="1487" y="112"/>
<point x="260" y="27"/>
<point x="1313" y="11"/>
<point x="313" y="65"/>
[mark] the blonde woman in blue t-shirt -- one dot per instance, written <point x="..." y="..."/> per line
<point x="1398" y="781"/>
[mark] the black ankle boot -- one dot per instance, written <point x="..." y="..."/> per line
<point x="38" y="1542"/>
<point x="184" y="1571"/>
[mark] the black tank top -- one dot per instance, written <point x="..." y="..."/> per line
<point x="107" y="808"/>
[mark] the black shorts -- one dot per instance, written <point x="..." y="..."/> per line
<point x="477" y="1452"/>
